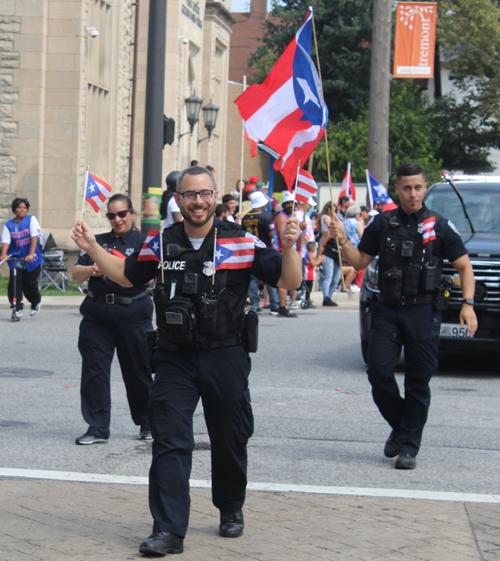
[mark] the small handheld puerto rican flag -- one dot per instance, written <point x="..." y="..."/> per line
<point x="428" y="232"/>
<point x="234" y="253"/>
<point x="151" y="250"/>
<point x="306" y="186"/>
<point x="96" y="191"/>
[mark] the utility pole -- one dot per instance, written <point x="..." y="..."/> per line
<point x="380" y="89"/>
<point x="153" y="125"/>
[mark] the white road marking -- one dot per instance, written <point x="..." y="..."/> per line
<point x="269" y="487"/>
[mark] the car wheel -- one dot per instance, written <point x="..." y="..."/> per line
<point x="364" y="350"/>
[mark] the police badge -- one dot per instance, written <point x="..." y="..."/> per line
<point x="208" y="268"/>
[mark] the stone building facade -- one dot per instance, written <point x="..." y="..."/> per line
<point x="66" y="91"/>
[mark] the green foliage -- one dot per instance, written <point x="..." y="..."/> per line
<point x="466" y="134"/>
<point x="410" y="139"/>
<point x="343" y="30"/>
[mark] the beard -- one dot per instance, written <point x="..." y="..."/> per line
<point x="210" y="211"/>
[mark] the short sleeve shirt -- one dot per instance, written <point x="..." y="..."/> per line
<point x="448" y="243"/>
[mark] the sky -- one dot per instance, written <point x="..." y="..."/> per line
<point x="242" y="6"/>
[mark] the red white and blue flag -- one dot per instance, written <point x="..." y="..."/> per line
<point x="151" y="249"/>
<point x="96" y="191"/>
<point x="378" y="192"/>
<point x="428" y="232"/>
<point x="287" y="111"/>
<point x="251" y="142"/>
<point x="306" y="187"/>
<point x="348" y="189"/>
<point x="234" y="253"/>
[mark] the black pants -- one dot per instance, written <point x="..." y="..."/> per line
<point x="220" y="378"/>
<point x="418" y="329"/>
<point x="26" y="282"/>
<point x="104" y="328"/>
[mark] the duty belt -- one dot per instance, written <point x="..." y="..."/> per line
<point x="115" y="298"/>
<point x="418" y="300"/>
<point x="207" y="344"/>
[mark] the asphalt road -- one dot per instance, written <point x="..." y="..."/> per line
<point x="315" y="422"/>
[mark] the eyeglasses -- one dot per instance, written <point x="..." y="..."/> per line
<point x="121" y="214"/>
<point x="204" y="194"/>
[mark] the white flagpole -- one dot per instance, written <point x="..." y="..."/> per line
<point x="161" y="256"/>
<point x="370" y="197"/>
<point x="295" y="188"/>
<point x="85" y="190"/>
<point x="349" y="180"/>
<point x="242" y="150"/>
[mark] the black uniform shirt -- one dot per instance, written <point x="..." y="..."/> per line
<point x="266" y="264"/>
<point x="448" y="243"/>
<point x="121" y="246"/>
<point x="260" y="224"/>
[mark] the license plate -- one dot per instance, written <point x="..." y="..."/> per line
<point x="453" y="330"/>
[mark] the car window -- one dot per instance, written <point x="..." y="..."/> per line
<point x="482" y="202"/>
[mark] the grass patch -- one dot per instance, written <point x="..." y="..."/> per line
<point x="52" y="291"/>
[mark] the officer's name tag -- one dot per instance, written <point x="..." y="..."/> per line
<point x="173" y="265"/>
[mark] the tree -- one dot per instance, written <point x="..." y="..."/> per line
<point x="343" y="30"/>
<point x="410" y="138"/>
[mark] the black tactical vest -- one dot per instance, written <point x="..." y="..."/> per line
<point x="408" y="271"/>
<point x="195" y="308"/>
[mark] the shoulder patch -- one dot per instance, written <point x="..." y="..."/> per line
<point x="256" y="240"/>
<point x="83" y="252"/>
<point x="453" y="227"/>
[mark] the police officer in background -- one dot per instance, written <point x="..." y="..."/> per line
<point x="411" y="242"/>
<point x="114" y="317"/>
<point x="203" y="342"/>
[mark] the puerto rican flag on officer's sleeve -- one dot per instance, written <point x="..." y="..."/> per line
<point x="306" y="186"/>
<point x="287" y="110"/>
<point x="234" y="253"/>
<point x="96" y="191"/>
<point x="428" y="232"/>
<point x="378" y="192"/>
<point x="151" y="249"/>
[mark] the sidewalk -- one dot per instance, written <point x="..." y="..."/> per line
<point x="58" y="521"/>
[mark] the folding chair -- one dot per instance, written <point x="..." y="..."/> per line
<point x="53" y="272"/>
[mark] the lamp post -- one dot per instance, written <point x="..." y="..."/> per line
<point x="193" y="106"/>
<point x="210" y="113"/>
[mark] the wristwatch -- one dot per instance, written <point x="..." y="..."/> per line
<point x="469" y="301"/>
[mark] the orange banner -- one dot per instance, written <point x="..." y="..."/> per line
<point x="415" y="40"/>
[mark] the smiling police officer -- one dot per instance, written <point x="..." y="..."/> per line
<point x="412" y="242"/>
<point x="203" y="350"/>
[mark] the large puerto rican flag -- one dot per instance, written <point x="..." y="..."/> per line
<point x="287" y="111"/>
<point x="151" y="249"/>
<point x="378" y="192"/>
<point x="234" y="253"/>
<point x="96" y="191"/>
<point x="306" y="186"/>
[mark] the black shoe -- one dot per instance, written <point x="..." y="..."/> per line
<point x="160" y="543"/>
<point x="231" y="524"/>
<point x="391" y="448"/>
<point x="329" y="302"/>
<point x="89" y="438"/>
<point x="285" y="313"/>
<point x="405" y="461"/>
<point x="145" y="434"/>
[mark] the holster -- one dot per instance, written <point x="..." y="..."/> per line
<point x="151" y="341"/>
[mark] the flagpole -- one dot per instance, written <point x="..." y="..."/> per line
<point x="85" y="190"/>
<point x="161" y="256"/>
<point x="295" y="188"/>
<point x="326" y="147"/>
<point x="215" y="247"/>
<point x="369" y="190"/>
<point x="242" y="149"/>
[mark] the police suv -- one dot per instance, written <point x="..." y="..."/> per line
<point x="475" y="211"/>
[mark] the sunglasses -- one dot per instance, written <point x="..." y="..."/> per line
<point x="121" y="214"/>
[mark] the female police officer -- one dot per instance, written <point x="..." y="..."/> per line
<point x="200" y="319"/>
<point x="114" y="317"/>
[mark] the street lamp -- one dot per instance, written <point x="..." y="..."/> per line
<point x="193" y="106"/>
<point x="210" y="113"/>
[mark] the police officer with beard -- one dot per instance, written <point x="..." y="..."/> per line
<point x="203" y="343"/>
<point x="411" y="242"/>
